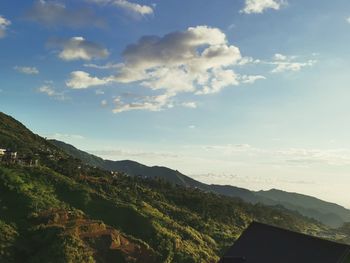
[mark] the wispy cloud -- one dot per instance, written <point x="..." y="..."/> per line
<point x="280" y="62"/>
<point x="259" y="6"/>
<point x="27" y="70"/>
<point x="289" y="63"/>
<point x="136" y="10"/>
<point x="250" y="79"/>
<point x="52" y="14"/>
<point x="50" y="91"/>
<point x="149" y="103"/>
<point x="105" y="66"/>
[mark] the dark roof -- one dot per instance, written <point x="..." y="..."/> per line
<point x="262" y="243"/>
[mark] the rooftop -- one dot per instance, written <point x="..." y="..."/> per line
<point x="262" y="243"/>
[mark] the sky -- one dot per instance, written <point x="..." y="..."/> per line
<point x="251" y="93"/>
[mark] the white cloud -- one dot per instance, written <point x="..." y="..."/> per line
<point x="220" y="79"/>
<point x="348" y="19"/>
<point x="250" y="79"/>
<point x="52" y="13"/>
<point x="259" y="6"/>
<point x="130" y="7"/>
<point x="198" y="60"/>
<point x="27" y="70"/>
<point x="78" y="48"/>
<point x="185" y="61"/>
<point x="288" y="63"/>
<point x="248" y="60"/>
<point x="83" y="80"/>
<point x="4" y="24"/>
<point x="280" y="57"/>
<point x="133" y="7"/>
<point x="149" y="103"/>
<point x="50" y="91"/>
<point x="190" y="104"/>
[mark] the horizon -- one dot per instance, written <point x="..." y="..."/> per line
<point x="250" y="94"/>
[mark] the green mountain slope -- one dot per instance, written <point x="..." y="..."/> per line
<point x="65" y="211"/>
<point x="328" y="213"/>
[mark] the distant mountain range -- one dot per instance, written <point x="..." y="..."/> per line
<point x="328" y="213"/>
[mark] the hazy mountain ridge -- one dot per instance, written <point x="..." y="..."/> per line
<point x="328" y="213"/>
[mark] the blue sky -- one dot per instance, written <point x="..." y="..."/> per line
<point x="252" y="93"/>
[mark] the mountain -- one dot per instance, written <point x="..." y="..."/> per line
<point x="328" y="213"/>
<point x="129" y="167"/>
<point x="63" y="210"/>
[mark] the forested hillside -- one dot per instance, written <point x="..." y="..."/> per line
<point x="62" y="210"/>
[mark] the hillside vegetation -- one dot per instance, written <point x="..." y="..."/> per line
<point x="63" y="210"/>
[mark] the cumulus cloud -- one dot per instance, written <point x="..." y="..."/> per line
<point x="284" y="63"/>
<point x="52" y="13"/>
<point x="50" y="91"/>
<point x="135" y="9"/>
<point x="259" y="6"/>
<point x="198" y="60"/>
<point x="83" y="80"/>
<point x="27" y="70"/>
<point x="181" y="61"/>
<point x="78" y="48"/>
<point x="4" y="24"/>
